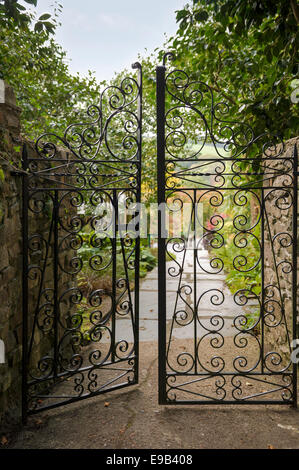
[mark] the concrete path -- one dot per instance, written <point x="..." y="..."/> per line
<point x="132" y="419"/>
<point x="216" y="299"/>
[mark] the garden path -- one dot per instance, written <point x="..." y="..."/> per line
<point x="207" y="279"/>
<point x="132" y="419"/>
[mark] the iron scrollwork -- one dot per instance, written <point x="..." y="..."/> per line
<point x="217" y="346"/>
<point x="81" y="284"/>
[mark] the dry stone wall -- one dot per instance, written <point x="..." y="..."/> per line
<point x="279" y="213"/>
<point x="10" y="256"/>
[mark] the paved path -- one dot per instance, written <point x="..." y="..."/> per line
<point x="207" y="279"/>
<point x="132" y="418"/>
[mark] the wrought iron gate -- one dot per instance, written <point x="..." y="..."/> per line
<point x="80" y="332"/>
<point x="240" y="195"/>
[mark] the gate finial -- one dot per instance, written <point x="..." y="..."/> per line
<point x="167" y="56"/>
<point x="136" y="65"/>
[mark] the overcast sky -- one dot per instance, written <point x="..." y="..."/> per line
<point x="106" y="35"/>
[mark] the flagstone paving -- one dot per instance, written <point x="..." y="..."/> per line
<point x="207" y="279"/>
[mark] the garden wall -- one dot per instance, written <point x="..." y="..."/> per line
<point x="10" y="256"/>
<point x="278" y="220"/>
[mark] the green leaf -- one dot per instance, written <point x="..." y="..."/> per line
<point x="44" y="17"/>
<point x="183" y="24"/>
<point x="269" y="55"/>
<point x="201" y="15"/>
<point x="49" y="26"/>
<point x="181" y="14"/>
<point x="38" y="26"/>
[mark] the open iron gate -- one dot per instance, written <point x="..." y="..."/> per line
<point x="240" y="197"/>
<point x="80" y="335"/>
<point x="81" y="340"/>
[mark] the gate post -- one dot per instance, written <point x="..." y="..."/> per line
<point x="24" y="283"/>
<point x="137" y="66"/>
<point x="160" y="97"/>
<point x="295" y="234"/>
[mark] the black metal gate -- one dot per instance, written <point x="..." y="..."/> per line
<point x="227" y="297"/>
<point x="81" y="254"/>
<point x="227" y="225"/>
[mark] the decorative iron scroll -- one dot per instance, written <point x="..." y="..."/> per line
<point x="81" y="261"/>
<point x="217" y="342"/>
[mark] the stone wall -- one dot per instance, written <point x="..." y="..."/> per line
<point x="279" y="258"/>
<point x="10" y="256"/>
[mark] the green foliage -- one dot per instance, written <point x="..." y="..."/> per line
<point x="237" y="279"/>
<point x="13" y="12"/>
<point x="248" y="53"/>
<point x="90" y="280"/>
<point x="147" y="259"/>
<point x="49" y="96"/>
<point x="239" y="245"/>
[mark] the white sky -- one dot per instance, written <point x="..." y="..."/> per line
<point x="106" y="35"/>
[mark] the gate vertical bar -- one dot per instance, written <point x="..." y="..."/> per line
<point x="137" y="65"/>
<point x="194" y="278"/>
<point x="55" y="278"/>
<point x="263" y="208"/>
<point x="160" y="97"/>
<point x="114" y="267"/>
<point x="24" y="283"/>
<point x="295" y="228"/>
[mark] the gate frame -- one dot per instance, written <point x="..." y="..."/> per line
<point x="25" y="265"/>
<point x="162" y="339"/>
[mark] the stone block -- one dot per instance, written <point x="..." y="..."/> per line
<point x="4" y="260"/>
<point x="5" y="380"/>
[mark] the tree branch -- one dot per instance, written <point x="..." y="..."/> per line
<point x="218" y="90"/>
<point x="295" y="9"/>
